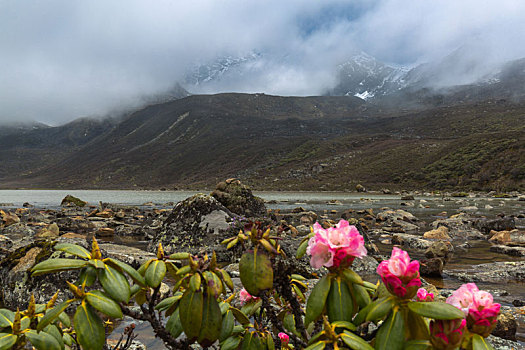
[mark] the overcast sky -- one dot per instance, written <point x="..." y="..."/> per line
<point x="64" y="59"/>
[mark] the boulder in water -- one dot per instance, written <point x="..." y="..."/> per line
<point x="239" y="199"/>
<point x="70" y="200"/>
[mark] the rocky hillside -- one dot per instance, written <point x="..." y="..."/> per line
<point x="271" y="142"/>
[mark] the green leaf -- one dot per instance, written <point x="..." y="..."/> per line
<point x="289" y="324"/>
<point x="227" y="279"/>
<point x="480" y="343"/>
<point x="418" y="345"/>
<point x="418" y="326"/>
<point x="301" y="251"/>
<point x="344" y="324"/>
<point x="436" y="310"/>
<point x="317" y="299"/>
<point x="339" y="304"/>
<point x="53" y="331"/>
<point x="155" y="273"/>
<point x="251" y="307"/>
<point x="68" y="339"/>
<point x="228" y="321"/>
<point x="7" y="318"/>
<point x="65" y="319"/>
<point x="43" y="341"/>
<point x="89" y="327"/>
<point x="355" y="342"/>
<point x="256" y="272"/>
<point x="52" y="314"/>
<point x="380" y="308"/>
<point x="317" y="346"/>
<point x="195" y="281"/>
<point x="56" y="265"/>
<point x="142" y="269"/>
<point x="361" y="315"/>
<point x="134" y="274"/>
<point x="87" y="275"/>
<point x="361" y="295"/>
<point x="391" y="334"/>
<point x="190" y="310"/>
<point x="168" y="302"/>
<point x="174" y="326"/>
<point x="114" y="283"/>
<point x="7" y="340"/>
<point x="352" y="277"/>
<point x="252" y="341"/>
<point x="240" y="316"/>
<point x="73" y="249"/>
<point x="97" y="264"/>
<point x="232" y="343"/>
<point x="104" y="304"/>
<point x="211" y="322"/>
<point x="179" y="256"/>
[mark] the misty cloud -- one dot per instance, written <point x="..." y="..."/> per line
<point x="63" y="59"/>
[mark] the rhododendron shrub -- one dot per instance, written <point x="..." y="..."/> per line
<point x="201" y="305"/>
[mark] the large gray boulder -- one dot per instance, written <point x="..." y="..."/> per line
<point x="198" y="223"/>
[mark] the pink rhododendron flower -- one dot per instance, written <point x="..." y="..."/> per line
<point x="245" y="297"/>
<point x="423" y="295"/>
<point x="335" y="246"/>
<point x="479" y="308"/>
<point x="399" y="274"/>
<point x="285" y="339"/>
<point x="447" y="334"/>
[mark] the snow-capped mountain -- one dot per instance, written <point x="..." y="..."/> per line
<point x="216" y="70"/>
<point x="365" y="77"/>
<point x="362" y="76"/>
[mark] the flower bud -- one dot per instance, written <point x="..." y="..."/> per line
<point x="423" y="295"/>
<point x="245" y="297"/>
<point x="447" y="334"/>
<point x="400" y="275"/>
<point x="285" y="339"/>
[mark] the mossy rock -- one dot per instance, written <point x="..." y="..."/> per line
<point x="72" y="200"/>
<point x="239" y="199"/>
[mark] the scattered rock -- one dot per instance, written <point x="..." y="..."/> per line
<point x="512" y="251"/>
<point x="484" y="225"/>
<point x="431" y="267"/>
<point x="497" y="272"/>
<point x="506" y="327"/>
<point x="459" y="227"/>
<point x="440" y="249"/>
<point x="440" y="233"/>
<point x="105" y="232"/>
<point x="360" y="188"/>
<point x="408" y="197"/>
<point x="50" y="231"/>
<point x="8" y="219"/>
<point x="395" y="215"/>
<point x="411" y="241"/>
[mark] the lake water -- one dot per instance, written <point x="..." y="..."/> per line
<point x="317" y="201"/>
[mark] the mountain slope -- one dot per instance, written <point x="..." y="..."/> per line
<point x="312" y="143"/>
